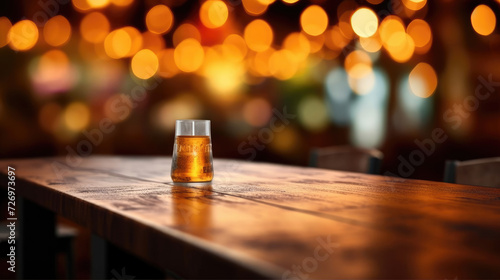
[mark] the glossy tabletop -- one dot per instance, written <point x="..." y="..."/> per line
<point x="258" y="220"/>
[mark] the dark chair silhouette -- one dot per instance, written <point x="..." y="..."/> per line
<point x="65" y="237"/>
<point x="479" y="172"/>
<point x="346" y="158"/>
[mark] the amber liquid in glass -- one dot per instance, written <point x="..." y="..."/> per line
<point x="192" y="159"/>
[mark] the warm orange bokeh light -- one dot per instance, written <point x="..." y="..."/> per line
<point x="57" y="31"/>
<point x="122" y="3"/>
<point x="76" y="116"/>
<point x="237" y="45"/>
<point x="94" y="27"/>
<point x="298" y="45"/>
<point x="81" y="5"/>
<point x="334" y="39"/>
<point x="371" y="44"/>
<point x="357" y="63"/>
<point x="136" y="39"/>
<point x="290" y="1"/>
<point x="152" y="41"/>
<point x="167" y="67"/>
<point x="5" y="26"/>
<point x="23" y="35"/>
<point x="364" y="22"/>
<point x="423" y="80"/>
<point x="483" y="20"/>
<point x="389" y="26"/>
<point x="316" y="43"/>
<point x="257" y="112"/>
<point x="282" y="64"/>
<point x="314" y="20"/>
<point x="97" y="4"/>
<point x="159" y="19"/>
<point x="400" y="47"/>
<point x="213" y="13"/>
<point x="259" y="64"/>
<point x="254" y="7"/>
<point x="420" y="31"/>
<point x="144" y="64"/>
<point x="345" y="26"/>
<point x="189" y="55"/>
<point x="258" y="35"/>
<point x="414" y="5"/>
<point x="117" y="44"/>
<point x="185" y="31"/>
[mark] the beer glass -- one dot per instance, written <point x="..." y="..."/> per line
<point x="192" y="156"/>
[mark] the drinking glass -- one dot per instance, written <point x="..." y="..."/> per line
<point x="192" y="156"/>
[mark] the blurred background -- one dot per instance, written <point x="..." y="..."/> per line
<point x="374" y="74"/>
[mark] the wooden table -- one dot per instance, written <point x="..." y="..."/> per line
<point x="258" y="220"/>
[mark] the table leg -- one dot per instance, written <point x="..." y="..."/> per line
<point x="37" y="241"/>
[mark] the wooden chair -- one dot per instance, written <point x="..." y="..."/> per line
<point x="346" y="158"/>
<point x="479" y="172"/>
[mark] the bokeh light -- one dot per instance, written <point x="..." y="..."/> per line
<point x="390" y="26"/>
<point x="53" y="73"/>
<point x="258" y="35"/>
<point x="282" y="64"/>
<point x="298" y="45"/>
<point x="81" y="5"/>
<point x="420" y="31"/>
<point x="357" y="63"/>
<point x="159" y="19"/>
<point x="423" y="80"/>
<point x="412" y="111"/>
<point x="483" y="20"/>
<point x="23" y="35"/>
<point x="152" y="41"/>
<point x="94" y="27"/>
<point x="224" y="76"/>
<point x="338" y="96"/>
<point x="122" y="3"/>
<point x="184" y="106"/>
<point x="395" y="40"/>
<point x="144" y="64"/>
<point x="314" y="20"/>
<point x="369" y="112"/>
<point x="364" y="22"/>
<point x="185" y="31"/>
<point x="213" y="13"/>
<point x="414" y="5"/>
<point x="257" y="112"/>
<point x="167" y="67"/>
<point x="57" y="31"/>
<point x="124" y="42"/>
<point x="371" y="44"/>
<point x="189" y="55"/>
<point x="136" y="40"/>
<point x="254" y="7"/>
<point x="312" y="113"/>
<point x="5" y="26"/>
<point x="76" y="116"/>
<point x="98" y="4"/>
<point x="117" y="44"/>
<point x="237" y="45"/>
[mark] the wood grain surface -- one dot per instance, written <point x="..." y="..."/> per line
<point x="258" y="220"/>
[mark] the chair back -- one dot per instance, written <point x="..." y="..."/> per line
<point x="346" y="158"/>
<point x="479" y="172"/>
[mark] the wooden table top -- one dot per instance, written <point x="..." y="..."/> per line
<point x="266" y="220"/>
